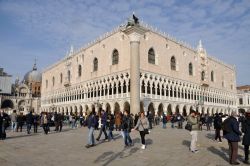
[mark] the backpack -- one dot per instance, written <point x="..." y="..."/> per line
<point x="226" y="127"/>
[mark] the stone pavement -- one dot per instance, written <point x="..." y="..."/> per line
<point x="165" y="147"/>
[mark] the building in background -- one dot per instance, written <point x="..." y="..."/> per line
<point x="243" y="93"/>
<point x="5" y="82"/>
<point x="26" y="94"/>
<point x="166" y="75"/>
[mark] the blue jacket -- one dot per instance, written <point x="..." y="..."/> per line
<point x="234" y="133"/>
<point x="104" y="119"/>
<point x="91" y="121"/>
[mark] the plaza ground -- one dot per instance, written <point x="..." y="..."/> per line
<point x="164" y="147"/>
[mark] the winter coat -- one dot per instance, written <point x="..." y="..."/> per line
<point x="104" y="119"/>
<point x="13" y="117"/>
<point x="110" y="121"/>
<point x="217" y="122"/>
<point x="29" y="118"/>
<point x="142" y="124"/>
<point x="118" y="119"/>
<point x="233" y="133"/>
<point x="91" y="121"/>
<point x="127" y="123"/>
<point x="246" y="131"/>
<point x="194" y="122"/>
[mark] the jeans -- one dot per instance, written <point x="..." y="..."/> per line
<point x="103" y="129"/>
<point x="14" y="126"/>
<point x="127" y="138"/>
<point x="164" y="125"/>
<point x="46" y="128"/>
<point x="91" y="139"/>
<point x="233" y="151"/>
<point x="142" y="134"/>
<point x="110" y="134"/>
<point x="35" y="127"/>
<point x="28" y="127"/>
<point x="194" y="138"/>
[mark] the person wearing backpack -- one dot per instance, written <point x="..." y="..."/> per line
<point x="91" y="120"/>
<point x="246" y="137"/>
<point x="232" y="134"/>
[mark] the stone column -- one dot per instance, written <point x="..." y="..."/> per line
<point x="134" y="72"/>
<point x="135" y="32"/>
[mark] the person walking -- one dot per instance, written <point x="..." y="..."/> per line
<point x="103" y="126"/>
<point x="110" y="126"/>
<point x="118" y="119"/>
<point x="141" y="125"/>
<point x="13" y="118"/>
<point x="193" y="120"/>
<point x="60" y="121"/>
<point x="127" y="123"/>
<point x="20" y="122"/>
<point x="91" y="121"/>
<point x="56" y="121"/>
<point x="232" y="134"/>
<point x="29" y="121"/>
<point x="217" y="126"/>
<point x="164" y="121"/>
<point x="45" y="123"/>
<point x="36" y="121"/>
<point x="246" y="137"/>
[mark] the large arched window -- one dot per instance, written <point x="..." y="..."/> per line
<point x="95" y="64"/>
<point x="79" y="70"/>
<point x="53" y="81"/>
<point x="173" y="63"/>
<point x="203" y="75"/>
<point x="68" y="75"/>
<point x="151" y="56"/>
<point x="190" y="69"/>
<point x="61" y="78"/>
<point x="212" y="76"/>
<point x="115" y="57"/>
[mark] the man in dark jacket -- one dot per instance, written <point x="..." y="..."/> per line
<point x="91" y="121"/>
<point x="4" y="121"/>
<point x="29" y="121"/>
<point x="103" y="125"/>
<point x="127" y="123"/>
<point x="246" y="137"/>
<point x="232" y="134"/>
<point x="217" y="126"/>
<point x="110" y="126"/>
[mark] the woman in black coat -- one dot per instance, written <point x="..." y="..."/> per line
<point x="246" y="137"/>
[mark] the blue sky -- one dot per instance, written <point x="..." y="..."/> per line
<point x="45" y="29"/>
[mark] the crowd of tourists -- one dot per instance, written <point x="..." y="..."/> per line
<point x="105" y="123"/>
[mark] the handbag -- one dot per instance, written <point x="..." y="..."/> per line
<point x="188" y="127"/>
<point x="145" y="130"/>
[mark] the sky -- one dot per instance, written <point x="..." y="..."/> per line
<point x="45" y="29"/>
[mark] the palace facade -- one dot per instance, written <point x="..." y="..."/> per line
<point x="138" y="68"/>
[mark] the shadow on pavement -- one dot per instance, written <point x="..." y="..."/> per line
<point x="222" y="153"/>
<point x="107" y="157"/>
<point x="210" y="136"/>
<point x="186" y="143"/>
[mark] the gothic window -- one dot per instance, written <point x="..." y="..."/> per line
<point x="151" y="56"/>
<point x="53" y="81"/>
<point x="79" y="70"/>
<point x="61" y="78"/>
<point x="46" y="83"/>
<point x="203" y="75"/>
<point x="115" y="57"/>
<point x="173" y="63"/>
<point x="68" y="75"/>
<point x="190" y="69"/>
<point x="212" y="76"/>
<point x="95" y="64"/>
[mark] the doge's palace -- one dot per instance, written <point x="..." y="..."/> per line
<point x="136" y="67"/>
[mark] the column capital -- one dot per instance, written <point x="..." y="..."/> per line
<point x="135" y="32"/>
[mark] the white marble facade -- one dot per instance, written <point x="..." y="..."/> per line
<point x="173" y="76"/>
